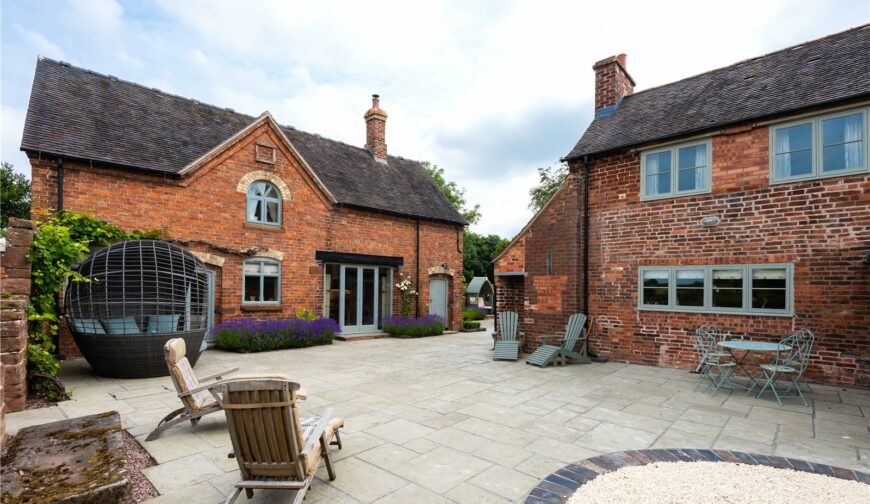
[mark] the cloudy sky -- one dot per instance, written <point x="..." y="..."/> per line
<point x="489" y="91"/>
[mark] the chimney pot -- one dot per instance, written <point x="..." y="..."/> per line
<point x="612" y="81"/>
<point x="376" y="125"/>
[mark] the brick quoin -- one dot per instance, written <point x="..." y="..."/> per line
<point x="821" y="226"/>
<point x="205" y="213"/>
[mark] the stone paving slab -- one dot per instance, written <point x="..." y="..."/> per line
<point x="437" y="419"/>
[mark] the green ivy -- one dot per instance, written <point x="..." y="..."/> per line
<point x="59" y="242"/>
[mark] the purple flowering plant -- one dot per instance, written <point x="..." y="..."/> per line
<point x="255" y="335"/>
<point x="429" y="325"/>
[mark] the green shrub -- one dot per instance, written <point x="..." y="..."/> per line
<point x="473" y="314"/>
<point x="430" y="325"/>
<point x="470" y="324"/>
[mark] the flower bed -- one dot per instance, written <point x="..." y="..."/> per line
<point x="252" y="335"/>
<point x="401" y="327"/>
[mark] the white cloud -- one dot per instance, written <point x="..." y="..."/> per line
<point x="489" y="91"/>
<point x="38" y="41"/>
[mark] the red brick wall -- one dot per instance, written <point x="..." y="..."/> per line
<point x="821" y="227"/>
<point x="15" y="295"/>
<point x="205" y="213"/>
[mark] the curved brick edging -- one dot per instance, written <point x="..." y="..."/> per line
<point x="559" y="486"/>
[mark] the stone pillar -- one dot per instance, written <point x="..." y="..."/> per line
<point x="15" y="276"/>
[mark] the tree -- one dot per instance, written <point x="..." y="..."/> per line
<point x="14" y="195"/>
<point x="551" y="179"/>
<point x="479" y="250"/>
<point x="478" y="253"/>
<point x="453" y="192"/>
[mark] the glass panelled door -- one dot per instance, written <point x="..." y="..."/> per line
<point x="358" y="304"/>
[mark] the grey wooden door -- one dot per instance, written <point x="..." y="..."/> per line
<point x="438" y="297"/>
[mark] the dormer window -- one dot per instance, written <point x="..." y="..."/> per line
<point x="264" y="204"/>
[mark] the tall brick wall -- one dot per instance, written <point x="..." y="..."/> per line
<point x="822" y="227"/>
<point x="15" y="276"/>
<point x="551" y="296"/>
<point x="205" y="213"/>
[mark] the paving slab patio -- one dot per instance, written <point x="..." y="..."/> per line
<point x="436" y="420"/>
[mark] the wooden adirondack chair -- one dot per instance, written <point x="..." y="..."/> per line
<point x="506" y="346"/>
<point x="275" y="449"/>
<point x="551" y="354"/>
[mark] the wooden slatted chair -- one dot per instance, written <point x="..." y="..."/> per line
<point x="199" y="396"/>
<point x="551" y="354"/>
<point x="506" y="346"/>
<point x="272" y="446"/>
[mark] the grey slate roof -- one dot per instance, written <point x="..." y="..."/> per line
<point x="832" y="69"/>
<point x="81" y="114"/>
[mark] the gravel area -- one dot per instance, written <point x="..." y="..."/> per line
<point x="138" y="459"/>
<point x="38" y="402"/>
<point x="717" y="482"/>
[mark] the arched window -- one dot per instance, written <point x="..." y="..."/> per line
<point x="262" y="281"/>
<point x="264" y="204"/>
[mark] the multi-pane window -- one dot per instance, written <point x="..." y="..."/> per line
<point x="765" y="289"/>
<point x="676" y="171"/>
<point x="264" y="204"/>
<point x="262" y="281"/>
<point x="818" y="147"/>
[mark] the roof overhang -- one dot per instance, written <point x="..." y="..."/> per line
<point x="350" y="258"/>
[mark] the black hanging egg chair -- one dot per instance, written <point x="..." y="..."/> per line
<point x="140" y="294"/>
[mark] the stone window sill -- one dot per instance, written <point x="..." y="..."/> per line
<point x="252" y="307"/>
<point x="263" y="227"/>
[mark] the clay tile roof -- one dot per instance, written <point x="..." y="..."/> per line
<point x="77" y="113"/>
<point x="825" y="71"/>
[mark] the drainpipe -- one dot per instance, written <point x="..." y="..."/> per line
<point x="59" y="185"/>
<point x="55" y="339"/>
<point x="586" y="235"/>
<point x="418" y="267"/>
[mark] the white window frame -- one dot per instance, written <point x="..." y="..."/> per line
<point x="261" y="275"/>
<point x="817" y="147"/>
<point x="675" y="171"/>
<point x="708" y="307"/>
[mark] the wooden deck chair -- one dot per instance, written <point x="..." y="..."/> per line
<point x="551" y="354"/>
<point x="199" y="397"/>
<point x="506" y="346"/>
<point x="272" y="446"/>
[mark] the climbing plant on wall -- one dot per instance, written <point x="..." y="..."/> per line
<point x="59" y="242"/>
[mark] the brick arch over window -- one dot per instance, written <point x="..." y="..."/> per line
<point x="254" y="176"/>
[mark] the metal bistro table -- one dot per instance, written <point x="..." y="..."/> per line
<point x="748" y="348"/>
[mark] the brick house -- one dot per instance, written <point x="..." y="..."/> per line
<point x="738" y="197"/>
<point x="282" y="218"/>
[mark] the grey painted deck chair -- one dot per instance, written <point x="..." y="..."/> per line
<point x="506" y="346"/>
<point x="274" y="448"/>
<point x="575" y="332"/>
<point x="199" y="396"/>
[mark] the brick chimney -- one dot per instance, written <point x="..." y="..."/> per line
<point x="612" y="81"/>
<point x="376" y="125"/>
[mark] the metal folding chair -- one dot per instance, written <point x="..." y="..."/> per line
<point x="713" y="364"/>
<point x="789" y="364"/>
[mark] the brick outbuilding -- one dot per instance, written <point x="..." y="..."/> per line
<point x="737" y="197"/>
<point x="282" y="218"/>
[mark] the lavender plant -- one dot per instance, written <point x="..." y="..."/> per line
<point x="254" y="335"/>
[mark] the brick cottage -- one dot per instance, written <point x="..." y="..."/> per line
<point x="737" y="197"/>
<point x="283" y="219"/>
